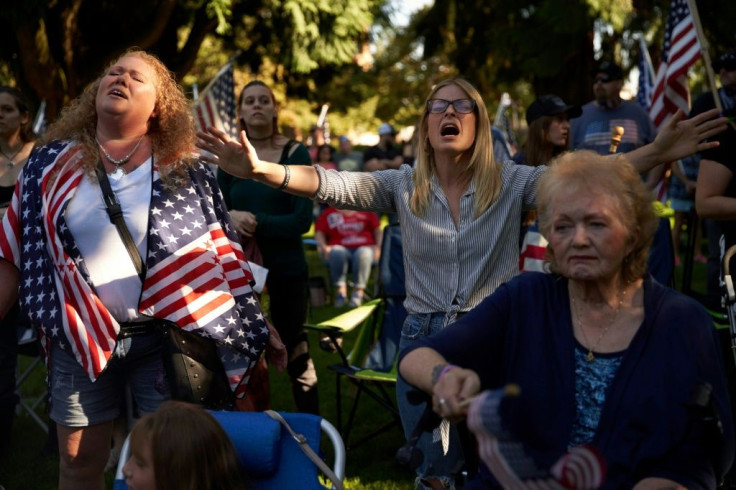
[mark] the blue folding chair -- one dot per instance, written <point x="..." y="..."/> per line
<point x="270" y="455"/>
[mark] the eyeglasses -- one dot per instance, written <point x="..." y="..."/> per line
<point x="462" y="106"/>
<point x="601" y="79"/>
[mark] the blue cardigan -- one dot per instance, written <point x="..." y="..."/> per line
<point x="523" y="334"/>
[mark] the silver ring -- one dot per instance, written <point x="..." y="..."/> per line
<point x="442" y="401"/>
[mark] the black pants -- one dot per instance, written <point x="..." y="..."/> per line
<point x="8" y="362"/>
<point x="288" y="310"/>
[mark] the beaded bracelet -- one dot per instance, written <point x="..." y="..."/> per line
<point x="287" y="176"/>
<point x="445" y="368"/>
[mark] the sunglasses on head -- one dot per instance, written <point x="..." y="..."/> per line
<point x="605" y="79"/>
<point x="462" y="106"/>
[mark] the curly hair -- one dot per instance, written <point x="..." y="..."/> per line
<point x="602" y="175"/>
<point x="171" y="130"/>
<point x="24" y="108"/>
<point x="482" y="168"/>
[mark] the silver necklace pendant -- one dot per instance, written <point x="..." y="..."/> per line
<point x="118" y="174"/>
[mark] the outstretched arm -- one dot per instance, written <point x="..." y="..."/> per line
<point x="240" y="159"/>
<point x="678" y="139"/>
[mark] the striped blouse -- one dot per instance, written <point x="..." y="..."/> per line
<point x="448" y="269"/>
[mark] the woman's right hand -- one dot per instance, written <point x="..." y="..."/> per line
<point x="452" y="392"/>
<point x="245" y="222"/>
<point x="238" y="158"/>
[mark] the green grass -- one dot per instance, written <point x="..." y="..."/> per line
<point x="370" y="466"/>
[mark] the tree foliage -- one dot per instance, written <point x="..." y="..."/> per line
<point x="53" y="49"/>
<point x="550" y="43"/>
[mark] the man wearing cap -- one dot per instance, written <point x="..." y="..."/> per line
<point x="346" y="158"/>
<point x="384" y="155"/>
<point x="592" y="130"/>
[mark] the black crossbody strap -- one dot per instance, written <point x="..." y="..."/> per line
<point x="115" y="212"/>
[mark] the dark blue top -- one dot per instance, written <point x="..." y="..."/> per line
<point x="523" y="334"/>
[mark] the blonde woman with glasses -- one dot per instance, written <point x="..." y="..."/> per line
<point x="460" y="214"/>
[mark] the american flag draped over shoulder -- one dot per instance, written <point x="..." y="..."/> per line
<point x="216" y="104"/>
<point x="197" y="274"/>
<point x="680" y="51"/>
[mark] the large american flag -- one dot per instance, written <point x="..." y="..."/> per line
<point x="197" y="274"/>
<point x="216" y="104"/>
<point x="680" y="50"/>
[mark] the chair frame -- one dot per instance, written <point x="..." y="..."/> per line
<point x="29" y="404"/>
<point x="366" y="318"/>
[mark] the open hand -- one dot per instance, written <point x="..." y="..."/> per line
<point x="238" y="158"/>
<point x="681" y="137"/>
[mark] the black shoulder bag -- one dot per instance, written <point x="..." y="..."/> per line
<point x="192" y="364"/>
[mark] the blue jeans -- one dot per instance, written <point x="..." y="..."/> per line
<point x="76" y="401"/>
<point x="435" y="463"/>
<point x="360" y="259"/>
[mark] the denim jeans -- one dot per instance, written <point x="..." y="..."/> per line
<point x="76" y="401"/>
<point x="435" y="463"/>
<point x="360" y="259"/>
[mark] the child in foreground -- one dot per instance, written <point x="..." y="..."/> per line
<point x="181" y="446"/>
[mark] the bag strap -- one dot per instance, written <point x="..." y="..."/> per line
<point x="304" y="446"/>
<point x="115" y="212"/>
<point x="286" y="153"/>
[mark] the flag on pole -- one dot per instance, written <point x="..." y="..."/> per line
<point x="680" y="51"/>
<point x="216" y="103"/>
<point x="646" y="76"/>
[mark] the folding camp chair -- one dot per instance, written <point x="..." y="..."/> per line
<point x="31" y="404"/>
<point x="366" y="320"/>
<point x="270" y="455"/>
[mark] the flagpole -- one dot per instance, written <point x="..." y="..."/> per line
<point x="705" y="54"/>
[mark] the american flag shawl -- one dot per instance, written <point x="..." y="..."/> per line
<point x="197" y="274"/>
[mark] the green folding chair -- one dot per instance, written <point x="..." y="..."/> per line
<point x="366" y="319"/>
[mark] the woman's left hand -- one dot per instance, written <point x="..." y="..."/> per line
<point x="452" y="391"/>
<point x="681" y="137"/>
<point x="275" y="349"/>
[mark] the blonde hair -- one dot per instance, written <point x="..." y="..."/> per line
<point x="613" y="177"/>
<point x="171" y="130"/>
<point x="190" y="449"/>
<point x="481" y="168"/>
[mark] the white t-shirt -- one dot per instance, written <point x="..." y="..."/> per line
<point x="109" y="265"/>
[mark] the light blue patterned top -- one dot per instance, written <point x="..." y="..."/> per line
<point x="592" y="380"/>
